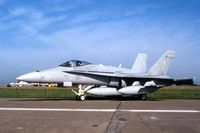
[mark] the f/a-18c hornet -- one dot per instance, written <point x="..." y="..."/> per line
<point x="101" y="80"/>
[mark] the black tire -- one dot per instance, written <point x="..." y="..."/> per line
<point x="77" y="97"/>
<point x="143" y="97"/>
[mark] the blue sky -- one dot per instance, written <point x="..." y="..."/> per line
<point x="38" y="34"/>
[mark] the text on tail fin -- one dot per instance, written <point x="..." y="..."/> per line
<point x="161" y="67"/>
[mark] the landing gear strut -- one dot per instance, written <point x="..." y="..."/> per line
<point x="80" y="95"/>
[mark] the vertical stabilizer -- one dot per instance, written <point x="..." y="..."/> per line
<point x="140" y="64"/>
<point x="160" y="68"/>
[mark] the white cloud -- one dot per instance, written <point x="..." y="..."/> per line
<point x="65" y="5"/>
<point x="119" y="41"/>
<point x="18" y="11"/>
<point x="27" y="20"/>
<point x="84" y="18"/>
<point x="29" y="29"/>
<point x="140" y="9"/>
<point x="40" y="20"/>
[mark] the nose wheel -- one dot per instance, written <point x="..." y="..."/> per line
<point x="80" y="95"/>
<point x="80" y="98"/>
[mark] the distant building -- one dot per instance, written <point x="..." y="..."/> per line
<point x="19" y="84"/>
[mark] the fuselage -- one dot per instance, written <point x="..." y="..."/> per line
<point x="59" y="75"/>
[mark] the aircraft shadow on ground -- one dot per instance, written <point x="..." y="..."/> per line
<point x="88" y="98"/>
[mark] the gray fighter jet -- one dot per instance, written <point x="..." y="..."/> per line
<point x="104" y="80"/>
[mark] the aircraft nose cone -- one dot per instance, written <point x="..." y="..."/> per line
<point x="30" y="77"/>
<point x="20" y="78"/>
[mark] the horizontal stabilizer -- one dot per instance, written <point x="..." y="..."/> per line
<point x="185" y="81"/>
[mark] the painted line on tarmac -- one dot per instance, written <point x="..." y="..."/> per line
<point x="59" y="110"/>
<point x="99" y="110"/>
<point x="161" y="111"/>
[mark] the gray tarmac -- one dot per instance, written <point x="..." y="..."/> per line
<point x="22" y="121"/>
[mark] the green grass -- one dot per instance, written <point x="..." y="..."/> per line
<point x="36" y="92"/>
<point x="176" y="92"/>
<point x="172" y="92"/>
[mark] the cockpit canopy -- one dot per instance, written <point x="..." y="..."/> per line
<point x="74" y="63"/>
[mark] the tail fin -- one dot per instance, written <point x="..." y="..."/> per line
<point x="140" y="64"/>
<point x="160" y="68"/>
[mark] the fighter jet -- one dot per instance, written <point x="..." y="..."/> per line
<point x="104" y="80"/>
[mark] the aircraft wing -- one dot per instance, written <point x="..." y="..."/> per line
<point x="127" y="77"/>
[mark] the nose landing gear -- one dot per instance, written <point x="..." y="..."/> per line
<point x="80" y="95"/>
<point x="80" y="98"/>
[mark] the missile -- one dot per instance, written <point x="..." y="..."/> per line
<point x="104" y="91"/>
<point x="131" y="90"/>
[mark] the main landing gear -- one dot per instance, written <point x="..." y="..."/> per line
<point x="142" y="97"/>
